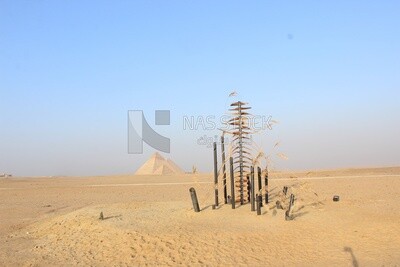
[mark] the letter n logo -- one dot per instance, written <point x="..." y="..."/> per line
<point x="139" y="130"/>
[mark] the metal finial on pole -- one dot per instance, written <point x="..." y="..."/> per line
<point x="215" y="174"/>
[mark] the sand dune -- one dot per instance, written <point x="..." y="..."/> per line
<point x="56" y="222"/>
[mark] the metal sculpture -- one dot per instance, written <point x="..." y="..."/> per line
<point x="241" y="150"/>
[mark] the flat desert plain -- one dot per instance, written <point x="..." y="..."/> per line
<point x="149" y="221"/>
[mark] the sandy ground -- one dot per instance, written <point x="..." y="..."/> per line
<point x="149" y="220"/>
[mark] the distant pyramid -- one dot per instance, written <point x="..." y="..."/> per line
<point x="176" y="168"/>
<point x="157" y="165"/>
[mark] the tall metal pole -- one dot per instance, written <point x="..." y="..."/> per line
<point x="215" y="174"/>
<point x="266" y="186"/>
<point x="252" y="187"/>
<point x="241" y="153"/>
<point x="233" y="199"/>
<point x="259" y="183"/>
<point x="224" y="169"/>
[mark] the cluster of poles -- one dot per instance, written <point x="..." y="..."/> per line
<point x="244" y="177"/>
<point x="256" y="200"/>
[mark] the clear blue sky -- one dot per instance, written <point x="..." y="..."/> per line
<point x="70" y="70"/>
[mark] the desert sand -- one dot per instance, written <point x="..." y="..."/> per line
<point x="149" y="220"/>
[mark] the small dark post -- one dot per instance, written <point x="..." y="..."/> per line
<point x="285" y="189"/>
<point x="101" y="216"/>
<point x="291" y="200"/>
<point x="233" y="200"/>
<point x="288" y="216"/>
<point x="259" y="203"/>
<point x="252" y="187"/>
<point x="224" y="169"/>
<point x="194" y="200"/>
<point x="215" y="174"/>
<point x="259" y="183"/>
<point x="248" y="188"/>
<point x="266" y="186"/>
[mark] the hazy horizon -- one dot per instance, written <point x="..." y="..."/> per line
<point x="70" y="71"/>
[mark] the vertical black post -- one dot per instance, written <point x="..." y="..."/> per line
<point x="266" y="186"/>
<point x="259" y="183"/>
<point x="194" y="200"/>
<point x="252" y="187"/>
<point x="241" y="183"/>
<point x="259" y="203"/>
<point x="233" y="199"/>
<point x="215" y="174"/>
<point x="224" y="169"/>
<point x="248" y="187"/>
